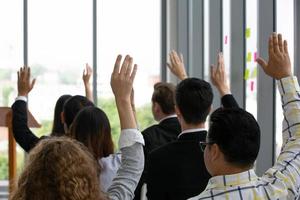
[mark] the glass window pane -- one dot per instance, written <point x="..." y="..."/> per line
<point x="132" y="28"/>
<point x="226" y="35"/>
<point x="11" y="51"/>
<point x="285" y="25"/>
<point x="251" y="53"/>
<point x="60" y="43"/>
<point x="206" y="40"/>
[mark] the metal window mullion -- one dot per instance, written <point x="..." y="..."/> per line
<point x="183" y="31"/>
<point x="238" y="50"/>
<point x="266" y="101"/>
<point x="94" y="41"/>
<point x="297" y="37"/>
<point x="196" y="38"/>
<point x="215" y="41"/>
<point x="25" y="32"/>
<point x="163" y="61"/>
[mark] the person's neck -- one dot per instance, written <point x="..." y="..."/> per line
<point x="185" y="126"/>
<point x="227" y="169"/>
<point x="162" y="116"/>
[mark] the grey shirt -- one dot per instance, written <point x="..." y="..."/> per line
<point x="132" y="164"/>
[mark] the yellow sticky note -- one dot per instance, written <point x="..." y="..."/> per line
<point x="248" y="33"/>
<point x="247" y="74"/>
<point x="254" y="73"/>
<point x="249" y="57"/>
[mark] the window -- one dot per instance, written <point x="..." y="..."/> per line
<point x="11" y="51"/>
<point x="251" y="53"/>
<point x="60" y="43"/>
<point x="134" y="30"/>
<point x="285" y="25"/>
<point x="226" y="35"/>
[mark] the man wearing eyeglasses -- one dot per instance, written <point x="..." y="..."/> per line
<point x="176" y="171"/>
<point x="234" y="137"/>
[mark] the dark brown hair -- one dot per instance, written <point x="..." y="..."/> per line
<point x="91" y="127"/>
<point x="164" y="95"/>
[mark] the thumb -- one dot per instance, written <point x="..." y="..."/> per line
<point x="32" y="84"/>
<point x="262" y="63"/>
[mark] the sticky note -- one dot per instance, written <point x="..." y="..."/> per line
<point x="254" y="73"/>
<point x="255" y="56"/>
<point x="247" y="74"/>
<point x="249" y="57"/>
<point x="226" y="39"/>
<point x="248" y="33"/>
<point x="252" y="86"/>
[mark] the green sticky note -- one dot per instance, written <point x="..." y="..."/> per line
<point x="249" y="57"/>
<point x="248" y="33"/>
<point x="247" y="74"/>
<point x="254" y="73"/>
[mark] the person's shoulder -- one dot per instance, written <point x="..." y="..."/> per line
<point x="150" y="129"/>
<point x="165" y="150"/>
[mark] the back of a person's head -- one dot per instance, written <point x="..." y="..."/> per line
<point x="59" y="168"/>
<point x="194" y="98"/>
<point x="73" y="105"/>
<point x="58" y="126"/>
<point x="237" y="134"/>
<point x="91" y="127"/>
<point x="164" y="95"/>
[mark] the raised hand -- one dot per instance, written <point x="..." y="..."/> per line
<point x="86" y="75"/>
<point x="279" y="64"/>
<point x="218" y="76"/>
<point x="25" y="84"/>
<point x="121" y="83"/>
<point x="122" y="79"/>
<point x="176" y="65"/>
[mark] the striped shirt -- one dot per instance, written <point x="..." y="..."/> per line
<point x="282" y="181"/>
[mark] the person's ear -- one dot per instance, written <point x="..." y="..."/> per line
<point x="157" y="108"/>
<point x="210" y="108"/>
<point x="62" y="117"/>
<point x="215" y="152"/>
<point x="177" y="111"/>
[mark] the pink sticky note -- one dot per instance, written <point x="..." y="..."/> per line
<point x="226" y="39"/>
<point x="252" y="86"/>
<point x="255" y="56"/>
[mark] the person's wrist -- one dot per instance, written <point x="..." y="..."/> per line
<point x="224" y="91"/>
<point x="284" y="75"/>
<point x="24" y="94"/>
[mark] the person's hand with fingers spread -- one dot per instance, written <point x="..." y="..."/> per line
<point x="219" y="77"/>
<point x="87" y="73"/>
<point x="279" y="65"/>
<point x="121" y="84"/>
<point x="25" y="84"/>
<point x="176" y="65"/>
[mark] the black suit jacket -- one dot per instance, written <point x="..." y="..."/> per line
<point x="156" y="136"/>
<point x="22" y="134"/>
<point x="160" y="134"/>
<point x="177" y="171"/>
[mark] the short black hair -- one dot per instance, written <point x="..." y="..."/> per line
<point x="73" y="105"/>
<point x="194" y="98"/>
<point x="164" y="95"/>
<point x="237" y="133"/>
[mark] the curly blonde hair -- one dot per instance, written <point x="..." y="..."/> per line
<point x="59" y="168"/>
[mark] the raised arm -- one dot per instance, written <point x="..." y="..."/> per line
<point x="131" y="140"/>
<point x="219" y="79"/>
<point x="22" y="134"/>
<point x="286" y="169"/>
<point x="86" y="76"/>
<point x="176" y="65"/>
